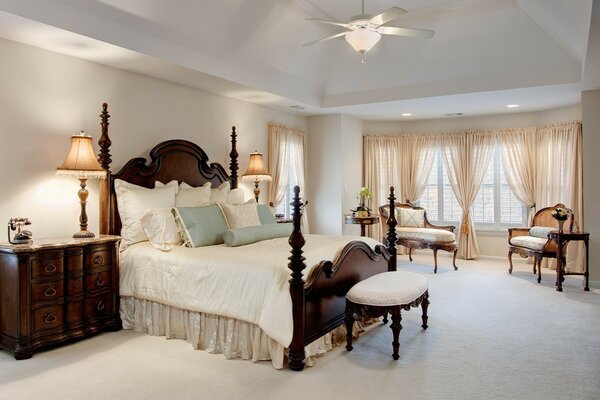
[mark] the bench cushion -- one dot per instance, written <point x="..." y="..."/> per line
<point x="427" y="234"/>
<point x="529" y="242"/>
<point x="388" y="289"/>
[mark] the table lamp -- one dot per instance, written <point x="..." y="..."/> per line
<point x="83" y="164"/>
<point x="256" y="172"/>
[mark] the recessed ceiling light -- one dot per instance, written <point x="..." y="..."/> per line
<point x="407" y="115"/>
<point x="512" y="106"/>
<point x="454" y="114"/>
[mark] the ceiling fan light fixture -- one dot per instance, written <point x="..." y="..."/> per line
<point x="362" y="40"/>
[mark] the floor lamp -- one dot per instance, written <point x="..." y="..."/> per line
<point x="83" y="164"/>
<point x="256" y="172"/>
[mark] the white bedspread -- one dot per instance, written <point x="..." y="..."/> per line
<point x="249" y="282"/>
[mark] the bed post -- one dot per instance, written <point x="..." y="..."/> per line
<point x="296" y="264"/>
<point x="392" y="236"/>
<point x="233" y="156"/>
<point x="105" y="160"/>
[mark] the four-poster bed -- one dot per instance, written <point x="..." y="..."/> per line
<point x="318" y="297"/>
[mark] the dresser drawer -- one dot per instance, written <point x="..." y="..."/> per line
<point x="98" y="280"/>
<point x="99" y="306"/>
<point x="47" y="266"/>
<point x="47" y="317"/>
<point x="47" y="291"/>
<point x="98" y="258"/>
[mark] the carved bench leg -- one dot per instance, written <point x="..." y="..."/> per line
<point x="424" y="307"/>
<point x="385" y="319"/>
<point x="454" y="260"/>
<point x="534" y="265"/>
<point x="510" y="265"/>
<point x="396" y="327"/>
<point x="349" y="320"/>
<point x="435" y="261"/>
<point x="410" y="254"/>
<point x="539" y="263"/>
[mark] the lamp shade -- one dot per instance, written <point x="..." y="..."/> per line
<point x="81" y="160"/>
<point x="362" y="40"/>
<point x="256" y="169"/>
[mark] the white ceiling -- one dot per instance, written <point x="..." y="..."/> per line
<point x="485" y="53"/>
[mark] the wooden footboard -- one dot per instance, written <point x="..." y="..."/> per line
<point x="319" y="302"/>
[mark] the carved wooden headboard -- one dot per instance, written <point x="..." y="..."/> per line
<point x="179" y="160"/>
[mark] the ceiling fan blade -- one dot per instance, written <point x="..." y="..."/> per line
<point x="408" y="32"/>
<point x="325" y="38"/>
<point x="387" y="16"/>
<point x="324" y="21"/>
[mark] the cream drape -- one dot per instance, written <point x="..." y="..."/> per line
<point x="519" y="159"/>
<point x="287" y="160"/>
<point x="467" y="156"/>
<point x="418" y="155"/>
<point x="559" y="178"/>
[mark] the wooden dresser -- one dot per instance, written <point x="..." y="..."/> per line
<point x="56" y="290"/>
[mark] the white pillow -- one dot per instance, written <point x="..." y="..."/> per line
<point x="161" y="229"/>
<point x="134" y="201"/>
<point x="412" y="218"/>
<point x="220" y="193"/>
<point x="242" y="215"/>
<point x="236" y="196"/>
<point x="189" y="196"/>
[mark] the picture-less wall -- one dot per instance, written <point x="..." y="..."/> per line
<point x="46" y="97"/>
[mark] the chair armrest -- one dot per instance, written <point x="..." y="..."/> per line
<point x="512" y="232"/>
<point x="449" y="228"/>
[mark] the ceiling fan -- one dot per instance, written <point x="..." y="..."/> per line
<point x="364" y="31"/>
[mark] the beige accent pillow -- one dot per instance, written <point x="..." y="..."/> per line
<point x="242" y="215"/>
<point x="134" y="201"/>
<point x="412" y="218"/>
<point x="161" y="229"/>
<point x="189" y="196"/>
<point x="219" y="194"/>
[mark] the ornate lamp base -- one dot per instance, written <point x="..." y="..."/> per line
<point x="83" y="235"/>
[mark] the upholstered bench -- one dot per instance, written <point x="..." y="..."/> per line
<point x="388" y="292"/>
<point x="416" y="232"/>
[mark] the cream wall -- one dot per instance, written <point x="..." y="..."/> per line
<point x="590" y="102"/>
<point x="352" y="168"/>
<point x="490" y="243"/>
<point x="45" y="97"/>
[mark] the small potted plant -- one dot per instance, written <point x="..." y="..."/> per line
<point x="560" y="215"/>
<point x="362" y="196"/>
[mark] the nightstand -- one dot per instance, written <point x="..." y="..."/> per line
<point x="56" y="290"/>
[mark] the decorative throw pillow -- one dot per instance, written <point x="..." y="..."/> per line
<point x="539" y="231"/>
<point x="189" y="196"/>
<point x="253" y="234"/>
<point x="219" y="194"/>
<point x="134" y="201"/>
<point x="161" y="229"/>
<point x="411" y="218"/>
<point x="236" y="196"/>
<point x="240" y="216"/>
<point x="200" y="226"/>
<point x="265" y="214"/>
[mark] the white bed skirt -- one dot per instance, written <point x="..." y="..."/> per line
<point x="217" y="334"/>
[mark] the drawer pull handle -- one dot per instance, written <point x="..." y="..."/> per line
<point x="50" y="267"/>
<point x="98" y="260"/>
<point x="50" y="318"/>
<point x="99" y="281"/>
<point x="50" y="291"/>
<point x="100" y="306"/>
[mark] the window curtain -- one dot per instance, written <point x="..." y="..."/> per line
<point x="559" y="178"/>
<point x="418" y="155"/>
<point x="466" y="156"/>
<point x="519" y="158"/>
<point x="287" y="158"/>
<point x="382" y="156"/>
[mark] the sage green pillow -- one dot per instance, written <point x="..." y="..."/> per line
<point x="201" y="226"/>
<point x="539" y="231"/>
<point x="253" y="234"/>
<point x="265" y="215"/>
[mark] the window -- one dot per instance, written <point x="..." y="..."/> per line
<point x="495" y="206"/>
<point x="284" y="210"/>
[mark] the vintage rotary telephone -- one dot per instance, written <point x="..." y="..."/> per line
<point x="21" y="236"/>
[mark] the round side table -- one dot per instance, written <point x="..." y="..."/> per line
<point x="362" y="221"/>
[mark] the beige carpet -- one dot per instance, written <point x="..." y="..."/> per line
<point x="491" y="336"/>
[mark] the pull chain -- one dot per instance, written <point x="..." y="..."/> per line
<point x="363" y="60"/>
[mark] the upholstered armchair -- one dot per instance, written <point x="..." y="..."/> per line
<point x="534" y="242"/>
<point x="416" y="232"/>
